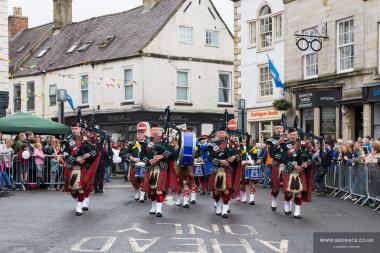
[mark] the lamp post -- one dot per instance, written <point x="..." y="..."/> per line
<point x="61" y="99"/>
<point x="242" y="108"/>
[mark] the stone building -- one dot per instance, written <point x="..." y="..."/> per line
<point x="336" y="90"/>
<point x="4" y="58"/>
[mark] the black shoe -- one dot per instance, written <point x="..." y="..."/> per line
<point x="252" y="203"/>
<point x="142" y="201"/>
<point x="193" y="202"/>
<point x="229" y="211"/>
<point x="85" y="208"/>
<point x="288" y="213"/>
<point x="152" y="212"/>
<point x="186" y="206"/>
<point x="297" y="217"/>
<point x="202" y="193"/>
<point x="273" y="208"/>
<point x="78" y="213"/>
<point x="96" y="191"/>
<point x="224" y="215"/>
<point x="101" y="191"/>
<point x="218" y="214"/>
<point x="159" y="215"/>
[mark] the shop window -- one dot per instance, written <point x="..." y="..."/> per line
<point x="308" y="120"/>
<point x="329" y="121"/>
<point x="376" y="121"/>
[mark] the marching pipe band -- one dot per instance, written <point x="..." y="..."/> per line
<point x="224" y="164"/>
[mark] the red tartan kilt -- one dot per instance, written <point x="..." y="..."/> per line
<point x="275" y="182"/>
<point x="188" y="177"/>
<point x="161" y="184"/>
<point x="286" y="179"/>
<point x="228" y="180"/>
<point x="172" y="177"/>
<point x="136" y="181"/>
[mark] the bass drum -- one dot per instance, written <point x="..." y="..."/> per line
<point x="187" y="152"/>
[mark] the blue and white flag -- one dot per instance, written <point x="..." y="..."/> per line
<point x="275" y="75"/>
<point x="70" y="101"/>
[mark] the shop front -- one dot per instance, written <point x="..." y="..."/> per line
<point x="261" y="123"/>
<point x="121" y="126"/>
<point x="371" y="100"/>
<point x="319" y="112"/>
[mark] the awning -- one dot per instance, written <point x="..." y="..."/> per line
<point x="350" y="101"/>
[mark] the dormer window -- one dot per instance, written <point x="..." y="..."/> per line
<point x="73" y="47"/>
<point x="85" y="46"/>
<point x="43" y="52"/>
<point x="22" y="48"/>
<point x="106" y="42"/>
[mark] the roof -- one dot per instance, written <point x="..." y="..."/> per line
<point x="133" y="31"/>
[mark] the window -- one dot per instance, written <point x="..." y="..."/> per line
<point x="252" y="33"/>
<point x="84" y="46"/>
<point x="182" y="86"/>
<point x="17" y="97"/>
<point x="84" y="88"/>
<point x="212" y="38"/>
<point x="225" y="87"/>
<point x="128" y="78"/>
<point x="265" y="27"/>
<point x="105" y="43"/>
<point x="73" y="47"/>
<point x="278" y="23"/>
<point x="311" y="65"/>
<point x="52" y="94"/>
<point x="185" y="34"/>
<point x="30" y="96"/>
<point x="43" y="52"/>
<point x="310" y="58"/>
<point x="345" y="45"/>
<point x="22" y="48"/>
<point x="328" y="120"/>
<point x="265" y="81"/>
<point x="308" y="120"/>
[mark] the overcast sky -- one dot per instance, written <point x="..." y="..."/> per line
<point x="41" y="11"/>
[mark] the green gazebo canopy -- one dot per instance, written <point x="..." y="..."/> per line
<point x="21" y="122"/>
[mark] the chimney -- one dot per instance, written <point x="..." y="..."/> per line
<point x="150" y="3"/>
<point x="17" y="22"/>
<point x="63" y="11"/>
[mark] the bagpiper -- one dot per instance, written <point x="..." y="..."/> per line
<point x="224" y="157"/>
<point x="158" y="157"/>
<point x="136" y="153"/>
<point x="275" y="148"/>
<point x="297" y="172"/>
<point x="81" y="159"/>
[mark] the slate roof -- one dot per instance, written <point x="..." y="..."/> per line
<point x="133" y="31"/>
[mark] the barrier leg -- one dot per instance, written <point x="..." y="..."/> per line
<point x="348" y="195"/>
<point x="365" y="201"/>
<point x="357" y="201"/>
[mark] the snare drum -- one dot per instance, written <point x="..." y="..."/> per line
<point x="253" y="172"/>
<point x="140" y="169"/>
<point x="199" y="169"/>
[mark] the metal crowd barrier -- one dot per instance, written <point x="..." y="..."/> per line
<point x="360" y="180"/>
<point x="27" y="173"/>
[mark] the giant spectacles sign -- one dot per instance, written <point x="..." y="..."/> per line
<point x="317" y="98"/>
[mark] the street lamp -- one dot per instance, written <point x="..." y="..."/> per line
<point x="242" y="108"/>
<point x="61" y="99"/>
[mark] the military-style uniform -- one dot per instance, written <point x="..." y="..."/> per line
<point x="297" y="153"/>
<point x="137" y="150"/>
<point x="156" y="176"/>
<point x="79" y="178"/>
<point x="249" y="157"/>
<point x="221" y="178"/>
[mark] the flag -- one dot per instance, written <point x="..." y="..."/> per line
<point x="275" y="75"/>
<point x="70" y="101"/>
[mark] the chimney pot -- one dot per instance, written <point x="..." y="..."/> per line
<point x="62" y="13"/>
<point x="17" y="22"/>
<point x="150" y="3"/>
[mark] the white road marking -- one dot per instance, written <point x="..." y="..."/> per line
<point x="106" y="246"/>
<point x="137" y="248"/>
<point x="244" y="243"/>
<point x="192" y="229"/>
<point x="177" y="226"/>
<point x="118" y="186"/>
<point x="135" y="227"/>
<point x="228" y="230"/>
<point x="200" y="243"/>
<point x="283" y="245"/>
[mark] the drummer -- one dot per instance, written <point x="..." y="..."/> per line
<point x="202" y="157"/>
<point x="136" y="152"/>
<point x="249" y="158"/>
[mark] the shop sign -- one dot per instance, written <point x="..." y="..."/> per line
<point x="373" y="94"/>
<point x="264" y="115"/>
<point x="317" y="98"/>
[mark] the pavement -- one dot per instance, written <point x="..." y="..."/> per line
<point x="43" y="221"/>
